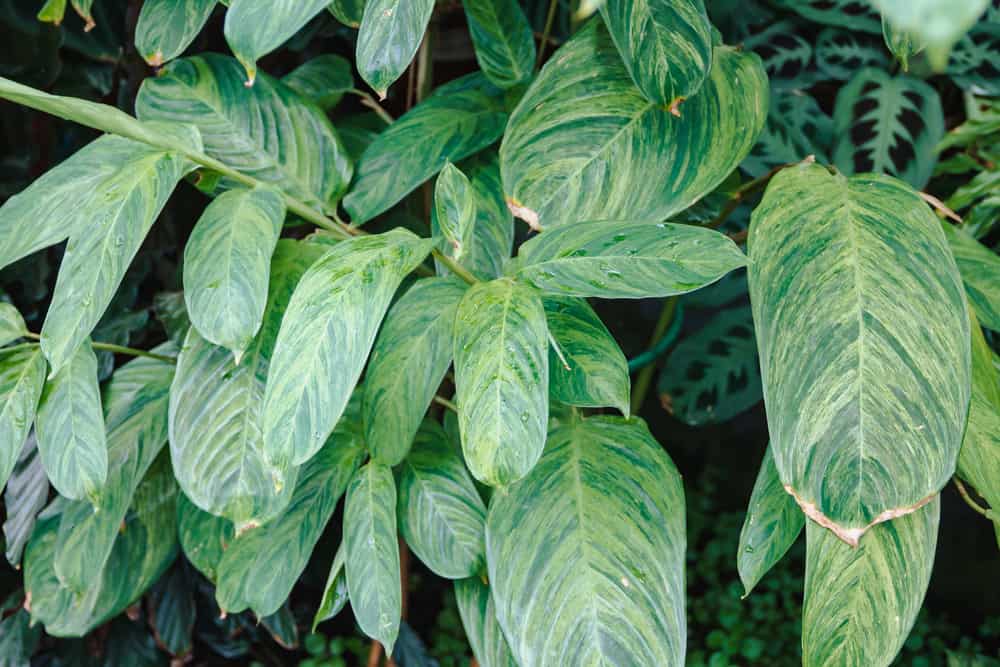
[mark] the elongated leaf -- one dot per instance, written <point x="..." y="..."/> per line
<point x="596" y="531"/>
<point x="867" y="426"/>
<point x="22" y="376"/>
<point x="555" y="174"/>
<point x="597" y="373"/>
<point x="625" y="260"/>
<point x="886" y="124"/>
<point x="666" y="45"/>
<point x="980" y="269"/>
<point x="492" y="236"/>
<point x="326" y="334"/>
<point x="324" y="79"/>
<point x="441" y="515"/>
<point x="408" y="362"/>
<point x="478" y="613"/>
<point x="335" y="592"/>
<point x="501" y="379"/>
<point x="796" y="128"/>
<point x="772" y="525"/>
<point x="454" y="208"/>
<point x="938" y="23"/>
<point x="372" y="556"/>
<point x="167" y="27"/>
<point x="254" y="29"/>
<point x="267" y="131"/>
<point x="12" y="325"/>
<point x="260" y="567"/>
<point x="503" y="40"/>
<point x="27" y="492"/>
<point x="227" y="264"/>
<point x="979" y="458"/>
<point x="70" y="429"/>
<point x="860" y="603"/>
<point x="446" y="126"/>
<point x="389" y="36"/>
<point x="203" y="537"/>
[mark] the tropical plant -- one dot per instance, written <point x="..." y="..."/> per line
<point x="406" y="313"/>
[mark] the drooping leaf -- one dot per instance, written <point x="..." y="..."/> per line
<point x="501" y="379"/>
<point x="70" y="428"/>
<point x="446" y="126"/>
<point x="901" y="43"/>
<point x="22" y="376"/>
<point x="267" y="131"/>
<point x="503" y="40"/>
<point x="597" y="375"/>
<point x="937" y="23"/>
<point x="203" y="537"/>
<point x="860" y="603"/>
<point x="712" y="375"/>
<point x="388" y="38"/>
<point x="478" y="613"/>
<point x="27" y="492"/>
<point x="227" y="264"/>
<point x="335" y="592"/>
<point x="12" y="325"/>
<point x="786" y="53"/>
<point x="887" y="124"/>
<point x="796" y="128"/>
<point x="850" y="14"/>
<point x="260" y="567"/>
<point x="372" y="556"/>
<point x="167" y="27"/>
<point x="348" y="12"/>
<point x="841" y="53"/>
<point x="326" y="334"/>
<point x="555" y="174"/>
<point x="773" y="523"/>
<point x="867" y="426"/>
<point x="408" y="362"/>
<point x="441" y="515"/>
<point x="254" y="29"/>
<point x="323" y="79"/>
<point x="980" y="269"/>
<point x="595" y="531"/>
<point x="625" y="260"/>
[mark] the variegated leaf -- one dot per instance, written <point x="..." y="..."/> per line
<point x="389" y="36"/>
<point x="867" y="426"/>
<point x="323" y="79"/>
<point x="167" y="27"/>
<point x="478" y="613"/>
<point x="22" y="376"/>
<point x="980" y="269"/>
<point x="26" y="494"/>
<point x="348" y="12"/>
<point x="12" y="325"/>
<point x="938" y="23"/>
<point x="335" y="592"/>
<point x="454" y="208"/>
<point x="503" y="40"/>
<point x="203" y="537"/>
<point x="254" y="29"/>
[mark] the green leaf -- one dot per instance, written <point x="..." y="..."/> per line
<point x="12" y="325"/>
<point x="850" y="14"/>
<point x="625" y="260"/>
<point x="372" y="557"/>
<point x="974" y="64"/>
<point x="348" y="12"/>
<point x="326" y="334"/>
<point x="503" y="40"/>
<point x="441" y="128"/>
<point x="52" y="11"/>
<point x="841" y="53"/>
<point x="786" y="53"/>
<point x="478" y="613"/>
<point x="597" y="372"/>
<point x="712" y="375"/>
<point x="938" y="23"/>
<point x="555" y="174"/>
<point x="267" y="131"/>
<point x="27" y="492"/>
<point x="666" y="45"/>
<point x="389" y="36"/>
<point x="18" y="639"/>
<point x="167" y="27"/>
<point x="887" y="124"/>
<point x="335" y="592"/>
<point x="454" y="208"/>
<point x="22" y="376"/>
<point x="135" y="417"/>
<point x="860" y="603"/>
<point x="980" y="269"/>
<point x="867" y="426"/>
<point x="216" y="443"/>
<point x="254" y="29"/>
<point x="772" y="525"/>
<point x="408" y="362"/>
<point x="203" y="537"/>
<point x="441" y="515"/>
<point x="70" y="428"/>
<point x="170" y="310"/>
<point x="501" y="379"/>
<point x="901" y="43"/>
<point x="796" y="127"/>
<point x="227" y="264"/>
<point x="260" y="567"/>
<point x="596" y="531"/>
<point x="323" y="79"/>
<point x="173" y="611"/>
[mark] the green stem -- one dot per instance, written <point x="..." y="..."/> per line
<point x="119" y="349"/>
<point x="441" y="400"/>
<point x="650" y="356"/>
<point x="546" y="31"/>
<point x="740" y="193"/>
<point x="962" y="491"/>
<point x="370" y="102"/>
<point x="454" y="267"/>
<point x="645" y="377"/>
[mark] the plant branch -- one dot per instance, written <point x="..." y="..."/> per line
<point x="441" y="400"/>
<point x="750" y="187"/>
<point x="550" y="18"/>
<point x="370" y="102"/>
<point x="119" y="349"/>
<point x="962" y="491"/>
<point x="646" y="374"/>
<point x="455" y="267"/>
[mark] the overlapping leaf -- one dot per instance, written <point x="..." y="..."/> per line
<point x="850" y="14"/>
<point x="867" y="426"/>
<point x="980" y="269"/>
<point x="324" y="79"/>
<point x="27" y="492"/>
<point x="786" y="53"/>
<point x="478" y="613"/>
<point x="503" y="40"/>
<point x="454" y="208"/>
<point x="22" y="376"/>
<point x="348" y="12"/>
<point x="584" y="135"/>
<point x="203" y="537"/>
<point x="12" y="325"/>
<point x="254" y="29"/>
<point x="974" y="64"/>
<point x="167" y="27"/>
<point x="335" y="592"/>
<point x="841" y="53"/>
<point x="389" y="36"/>
<point x="796" y="128"/>
<point x="938" y="23"/>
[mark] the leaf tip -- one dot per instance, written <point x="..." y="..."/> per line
<point x="675" y="106"/>
<point x="155" y="59"/>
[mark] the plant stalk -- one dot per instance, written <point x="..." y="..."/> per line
<point x="119" y="349"/>
<point x="645" y="377"/>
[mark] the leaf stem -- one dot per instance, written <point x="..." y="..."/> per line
<point x="550" y="18"/>
<point x="119" y="349"/>
<point x="370" y="102"/>
<point x="454" y="267"/>
<point x="441" y="400"/>
<point x="759" y="183"/>
<point x="645" y="377"/>
<point x="962" y="491"/>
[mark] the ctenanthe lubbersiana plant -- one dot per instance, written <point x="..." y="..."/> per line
<point x="397" y="312"/>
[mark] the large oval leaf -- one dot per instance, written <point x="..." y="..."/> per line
<point x="866" y="426"/>
<point x="254" y="29"/>
<point x="70" y="428"/>
<point x="595" y="531"/>
<point x="411" y="355"/>
<point x="268" y="131"/>
<point x="389" y="36"/>
<point x="554" y="174"/>
<point x="980" y="270"/>
<point x="167" y="27"/>
<point x="372" y="557"/>
<point x="666" y="45"/>
<point x="860" y="603"/>
<point x="501" y="379"/>
<point x="22" y="376"/>
<point x="441" y="515"/>
<point x="625" y="260"/>
<point x="478" y="613"/>
<point x="326" y="334"/>
<point x="502" y="37"/>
